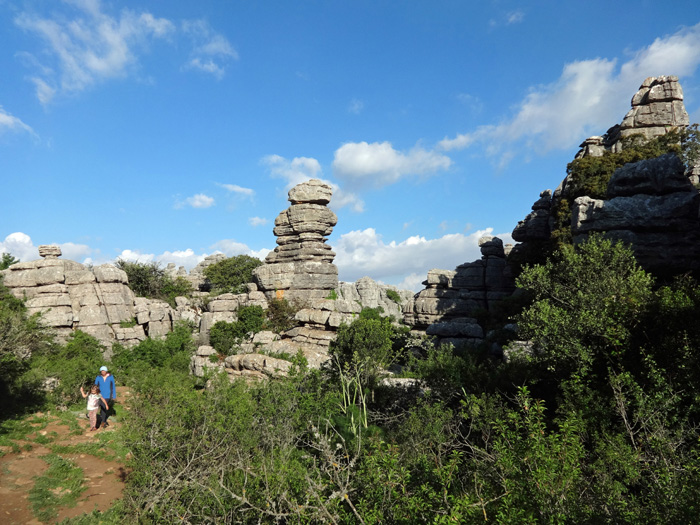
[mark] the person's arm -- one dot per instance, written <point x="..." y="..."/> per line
<point x="114" y="388"/>
<point x="82" y="392"/>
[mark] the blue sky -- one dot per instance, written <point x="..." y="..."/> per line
<point x="169" y="130"/>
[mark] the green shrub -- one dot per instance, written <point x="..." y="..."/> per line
<point x="74" y="364"/>
<point x="232" y="274"/>
<point x="150" y="280"/>
<point x="7" y="260"/>
<point x="394" y="296"/>
<point x="21" y="336"/>
<point x="280" y="315"/>
<point x="225" y="337"/>
<point x="173" y="353"/>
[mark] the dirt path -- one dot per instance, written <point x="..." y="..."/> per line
<point x="103" y="474"/>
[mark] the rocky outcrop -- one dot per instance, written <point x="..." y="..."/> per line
<point x="98" y="301"/>
<point x="445" y="309"/>
<point x="301" y="266"/>
<point x="537" y="225"/>
<point x="652" y="206"/>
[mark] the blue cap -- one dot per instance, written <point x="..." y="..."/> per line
<point x="103" y="369"/>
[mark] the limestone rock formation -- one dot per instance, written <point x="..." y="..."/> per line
<point x="446" y="307"/>
<point x="301" y="266"/>
<point x="653" y="206"/>
<point x="97" y="301"/>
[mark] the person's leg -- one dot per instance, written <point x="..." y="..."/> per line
<point x="104" y="413"/>
<point x="93" y="419"/>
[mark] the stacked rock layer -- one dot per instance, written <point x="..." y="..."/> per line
<point x="301" y="266"/>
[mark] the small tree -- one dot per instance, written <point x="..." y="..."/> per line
<point x="7" y="260"/>
<point x="232" y="274"/>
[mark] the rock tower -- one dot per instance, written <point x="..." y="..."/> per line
<point x="301" y="266"/>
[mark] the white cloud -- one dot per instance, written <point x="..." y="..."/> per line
<point x="356" y="106"/>
<point x="211" y="50"/>
<point x="229" y="247"/>
<point x="589" y="96"/>
<point x="9" y="122"/>
<point x="413" y="281"/>
<point x="296" y="171"/>
<point x="21" y="246"/>
<point x="257" y="221"/>
<point x="364" y="253"/>
<point x="135" y="256"/>
<point x="515" y="17"/>
<point x="301" y="169"/>
<point x="199" y="200"/>
<point x="360" y="164"/>
<point x="235" y="188"/>
<point x="90" y="47"/>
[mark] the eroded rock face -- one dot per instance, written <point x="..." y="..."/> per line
<point x="653" y="206"/>
<point x="301" y="266"/>
<point x="97" y="301"/>
<point x="445" y="308"/>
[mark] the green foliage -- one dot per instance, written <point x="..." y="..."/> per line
<point x="7" y="260"/>
<point x="74" y="364"/>
<point x="225" y="337"/>
<point x="394" y="296"/>
<point x="587" y="300"/>
<point x="368" y="345"/>
<point x="232" y="274"/>
<point x="332" y="295"/>
<point x="280" y="315"/>
<point x="150" y="280"/>
<point x="173" y="353"/>
<point x="21" y="336"/>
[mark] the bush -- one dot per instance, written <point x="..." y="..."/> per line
<point x="21" y="337"/>
<point x="394" y="296"/>
<point x="150" y="280"/>
<point x="225" y="337"/>
<point x="280" y="315"/>
<point x="172" y="353"/>
<point x="74" y="364"/>
<point x="7" y="260"/>
<point x="231" y="275"/>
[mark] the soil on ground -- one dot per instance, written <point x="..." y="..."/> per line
<point x="103" y="478"/>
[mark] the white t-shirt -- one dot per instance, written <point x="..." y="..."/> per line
<point x="93" y="401"/>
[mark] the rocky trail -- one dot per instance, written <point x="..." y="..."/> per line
<point x="53" y="467"/>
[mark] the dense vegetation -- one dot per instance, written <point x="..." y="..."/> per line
<point x="595" y="422"/>
<point x="150" y="280"/>
<point x="232" y="274"/>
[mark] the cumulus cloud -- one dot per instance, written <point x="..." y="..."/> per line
<point x="301" y="169"/>
<point x="21" y="246"/>
<point x="11" y="123"/>
<point x="361" y="165"/>
<point x="89" y="47"/>
<point x="581" y="102"/>
<point x="257" y="221"/>
<point x="200" y="200"/>
<point x="295" y="171"/>
<point x="364" y="253"/>
<point x="211" y="51"/>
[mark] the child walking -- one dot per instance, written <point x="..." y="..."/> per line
<point x="93" y="404"/>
